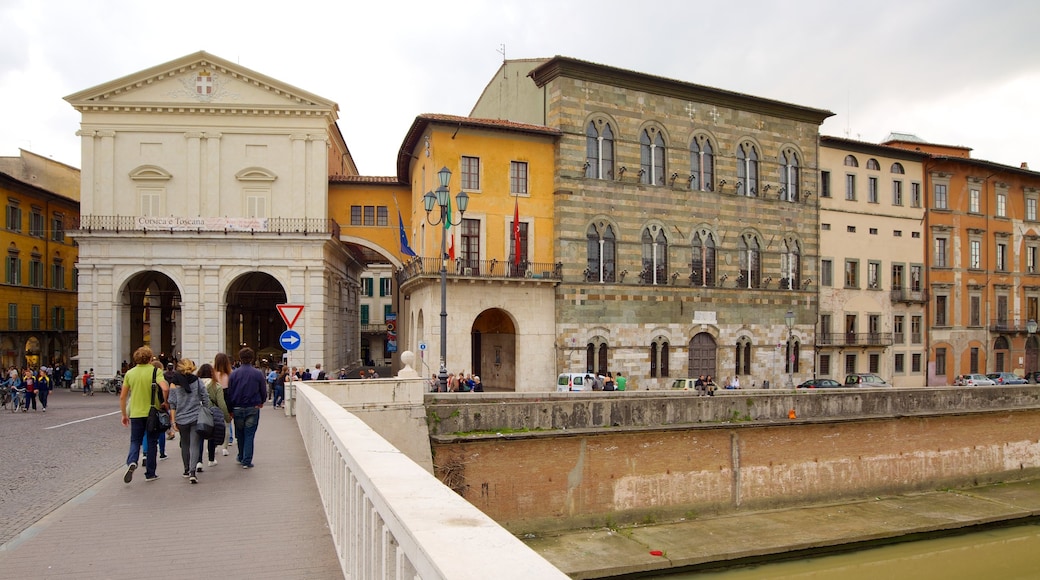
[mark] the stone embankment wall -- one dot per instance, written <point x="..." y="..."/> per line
<point x="653" y="457"/>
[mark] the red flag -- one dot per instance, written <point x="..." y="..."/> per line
<point x="516" y="232"/>
<point x="451" y="247"/>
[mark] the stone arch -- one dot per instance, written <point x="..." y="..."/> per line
<point x="493" y="350"/>
<point x="150" y="302"/>
<point x="251" y="316"/>
<point x="703" y="355"/>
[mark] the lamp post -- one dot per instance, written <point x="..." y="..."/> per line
<point x="442" y="199"/>
<point x="789" y="319"/>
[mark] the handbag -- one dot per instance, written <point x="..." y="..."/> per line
<point x="204" y="424"/>
<point x="158" y="418"/>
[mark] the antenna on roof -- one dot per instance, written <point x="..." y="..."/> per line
<point x="501" y="50"/>
<point x="848" y="114"/>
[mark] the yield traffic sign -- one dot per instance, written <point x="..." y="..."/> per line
<point x="290" y="313"/>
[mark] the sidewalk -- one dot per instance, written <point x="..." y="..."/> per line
<point x="265" y="522"/>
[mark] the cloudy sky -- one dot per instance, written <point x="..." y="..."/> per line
<point x="957" y="72"/>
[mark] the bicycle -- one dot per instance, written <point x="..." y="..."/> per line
<point x="112" y="386"/>
<point x="17" y="398"/>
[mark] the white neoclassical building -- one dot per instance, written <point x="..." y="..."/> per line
<point x="205" y="205"/>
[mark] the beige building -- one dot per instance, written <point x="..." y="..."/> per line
<point x="873" y="301"/>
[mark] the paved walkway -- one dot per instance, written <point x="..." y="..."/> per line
<point x="266" y="522"/>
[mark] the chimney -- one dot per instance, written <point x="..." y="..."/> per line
<point x="1025" y="165"/>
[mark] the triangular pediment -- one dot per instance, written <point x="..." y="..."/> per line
<point x="200" y="81"/>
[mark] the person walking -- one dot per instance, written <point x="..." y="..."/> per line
<point x="216" y="397"/>
<point x="30" y="390"/>
<point x="43" y="388"/>
<point x="246" y="393"/>
<point x="222" y="374"/>
<point x="187" y="394"/>
<point x="137" y="386"/>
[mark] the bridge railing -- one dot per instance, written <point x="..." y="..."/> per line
<point x="390" y="518"/>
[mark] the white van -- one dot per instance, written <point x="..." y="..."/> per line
<point x="572" y="382"/>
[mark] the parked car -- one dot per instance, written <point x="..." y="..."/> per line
<point x="1007" y="379"/>
<point x="974" y="380"/>
<point x="572" y="382"/>
<point x="1033" y="377"/>
<point x="865" y="380"/>
<point x="820" y="384"/>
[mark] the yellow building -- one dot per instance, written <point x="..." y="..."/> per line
<point x="41" y="200"/>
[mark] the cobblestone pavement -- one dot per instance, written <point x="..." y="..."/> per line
<point x="48" y="458"/>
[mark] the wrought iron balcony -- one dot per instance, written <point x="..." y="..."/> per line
<point x="114" y="224"/>
<point x="861" y="339"/>
<point x="485" y="269"/>
<point x="909" y="296"/>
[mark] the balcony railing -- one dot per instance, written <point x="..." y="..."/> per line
<point x="489" y="269"/>
<point x="909" y="296"/>
<point x="170" y="224"/>
<point x="1009" y="327"/>
<point x="854" y="339"/>
<point x="373" y="328"/>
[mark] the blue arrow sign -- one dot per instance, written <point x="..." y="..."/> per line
<point x="290" y="340"/>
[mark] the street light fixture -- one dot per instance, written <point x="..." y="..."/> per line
<point x="789" y="319"/>
<point x="442" y="199"/>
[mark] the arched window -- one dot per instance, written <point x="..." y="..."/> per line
<point x="702" y="264"/>
<point x="655" y="256"/>
<point x="897" y="168"/>
<point x="791" y="355"/>
<point x="596" y="356"/>
<point x="789" y="175"/>
<point x="600" y="243"/>
<point x="747" y="170"/>
<point x="873" y="164"/>
<point x="742" y="358"/>
<point x="750" y="262"/>
<point x="599" y="150"/>
<point x="702" y="164"/>
<point x="651" y="154"/>
<point x="850" y="161"/>
<point x="791" y="265"/>
<point x="659" y="357"/>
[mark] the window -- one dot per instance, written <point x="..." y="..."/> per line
<point x="655" y="256"/>
<point x="355" y="215"/>
<point x="825" y="227"/>
<point x="385" y="287"/>
<point x="1001" y="205"/>
<point x="600" y="245"/>
<point x="651" y="157"/>
<point x="973" y="360"/>
<point x="13" y="267"/>
<point x="256" y="203"/>
<point x="58" y="318"/>
<point x="743" y="357"/>
<point x="747" y="170"/>
<point x="789" y="175"/>
<point x="975" y="311"/>
<point x="898" y="329"/>
<point x="1031" y="259"/>
<point x="382" y="219"/>
<point x="940" y="362"/>
<point x="599" y="150"/>
<point x="596" y="356"/>
<point x="940" y="253"/>
<point x="915" y="195"/>
<point x="471" y="173"/>
<point x="872" y="231"/>
<point x="1031" y="209"/>
<point x="975" y="254"/>
<point x="826" y="273"/>
<point x="14" y="215"/>
<point x="1002" y="311"/>
<point x="852" y="273"/>
<point x="388" y="310"/>
<point x="518" y="177"/>
<point x="825" y="184"/>
<point x="151" y="202"/>
<point x="941" y="200"/>
<point x="750" y="262"/>
<point x="850" y="229"/>
<point x="915" y="363"/>
<point x="370" y="215"/>
<point x="825" y="364"/>
<point x="940" y="310"/>
<point x="470" y="239"/>
<point x="850" y="187"/>
<point x="702" y="264"/>
<point x="897" y="277"/>
<point x="791" y="355"/>
<point x="58" y="227"/>
<point x="873" y="165"/>
<point x="790" y="266"/>
<point x="897" y="168"/>
<point x="874" y="275"/>
<point x="659" y="358"/>
<point x="364" y="313"/>
<point x="366" y="286"/>
<point x="36" y="222"/>
<point x="915" y="330"/>
<point x="850" y="364"/>
<point x="915" y="278"/>
<point x="850" y="161"/>
<point x="521" y="269"/>
<point x="1002" y="257"/>
<point x="35" y="317"/>
<point x="974" y="201"/>
<point x="12" y="316"/>
<point x="899" y="363"/>
<point x="36" y="270"/>
<point x="872" y="192"/>
<point x="58" y="274"/>
<point x="915" y="235"/>
<point x="874" y="363"/>
<point x="897" y="233"/>
<point x="702" y="164"/>
<point x="897" y="193"/>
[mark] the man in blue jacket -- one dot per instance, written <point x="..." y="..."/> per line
<point x="246" y="394"/>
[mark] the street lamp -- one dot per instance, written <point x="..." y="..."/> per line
<point x="789" y="319"/>
<point x="442" y="199"/>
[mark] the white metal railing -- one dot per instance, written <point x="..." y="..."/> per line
<point x="392" y="519"/>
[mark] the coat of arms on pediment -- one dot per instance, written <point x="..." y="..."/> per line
<point x="205" y="85"/>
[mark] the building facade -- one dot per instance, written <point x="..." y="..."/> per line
<point x="872" y="295"/>
<point x="41" y="200"/>
<point x="686" y="222"/>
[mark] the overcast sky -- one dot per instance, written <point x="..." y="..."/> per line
<point x="956" y="72"/>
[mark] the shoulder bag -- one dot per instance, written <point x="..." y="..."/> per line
<point x="158" y="418"/>
<point x="204" y="424"/>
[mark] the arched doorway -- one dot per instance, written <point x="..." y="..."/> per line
<point x="154" y="304"/>
<point x="702" y="355"/>
<point x="1001" y="353"/>
<point x="252" y="317"/>
<point x="493" y="339"/>
<point x="1032" y="352"/>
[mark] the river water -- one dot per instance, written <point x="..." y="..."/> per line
<point x="999" y="553"/>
